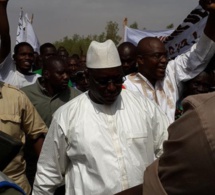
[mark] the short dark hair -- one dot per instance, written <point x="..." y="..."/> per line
<point x="16" y="48"/>
<point x="48" y="63"/>
<point x="44" y="46"/>
<point x="126" y="44"/>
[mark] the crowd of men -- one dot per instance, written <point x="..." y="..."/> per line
<point x="120" y="120"/>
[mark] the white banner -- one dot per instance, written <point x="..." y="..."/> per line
<point x="187" y="33"/>
<point x="25" y="32"/>
<point x="134" y="35"/>
<point x="179" y="40"/>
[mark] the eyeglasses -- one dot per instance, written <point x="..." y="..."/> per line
<point x="106" y="82"/>
<point x="157" y="55"/>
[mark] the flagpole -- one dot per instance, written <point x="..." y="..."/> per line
<point x="32" y="18"/>
<point x="125" y="23"/>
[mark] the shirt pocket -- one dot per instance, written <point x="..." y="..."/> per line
<point x="11" y="124"/>
<point x="137" y="147"/>
<point x="136" y="138"/>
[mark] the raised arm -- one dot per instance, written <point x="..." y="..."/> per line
<point x="209" y="30"/>
<point x="5" y="46"/>
<point x="191" y="63"/>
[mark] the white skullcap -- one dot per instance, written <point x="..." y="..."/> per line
<point x="103" y="55"/>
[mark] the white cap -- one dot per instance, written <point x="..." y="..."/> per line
<point x="103" y="55"/>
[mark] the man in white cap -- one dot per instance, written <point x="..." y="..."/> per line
<point x="101" y="142"/>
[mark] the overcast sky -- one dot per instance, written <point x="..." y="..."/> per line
<point x="55" y="19"/>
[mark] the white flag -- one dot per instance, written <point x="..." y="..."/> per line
<point x="134" y="35"/>
<point x="25" y="32"/>
<point x="179" y="40"/>
<point x="187" y="33"/>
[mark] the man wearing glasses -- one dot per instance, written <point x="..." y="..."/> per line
<point x="161" y="80"/>
<point x="101" y="142"/>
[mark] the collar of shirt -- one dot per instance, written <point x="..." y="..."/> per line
<point x="39" y="82"/>
<point x="117" y="105"/>
<point x="43" y="89"/>
<point x="138" y="78"/>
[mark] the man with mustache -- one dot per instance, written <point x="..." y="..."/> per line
<point x="100" y="142"/>
<point x="51" y="90"/>
<point x="161" y="80"/>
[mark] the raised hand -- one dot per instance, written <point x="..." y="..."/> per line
<point x="208" y="5"/>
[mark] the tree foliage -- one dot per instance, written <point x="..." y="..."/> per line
<point x="112" y="29"/>
<point x="76" y="44"/>
<point x="170" y="26"/>
<point x="79" y="44"/>
<point x="134" y="25"/>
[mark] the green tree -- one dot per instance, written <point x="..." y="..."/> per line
<point x="170" y="26"/>
<point x="112" y="29"/>
<point x="79" y="44"/>
<point x="76" y="44"/>
<point x="134" y="25"/>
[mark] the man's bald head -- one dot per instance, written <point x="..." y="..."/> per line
<point x="152" y="59"/>
<point x="148" y="44"/>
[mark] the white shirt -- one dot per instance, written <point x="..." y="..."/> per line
<point x="185" y="67"/>
<point x="10" y="75"/>
<point x="100" y="149"/>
